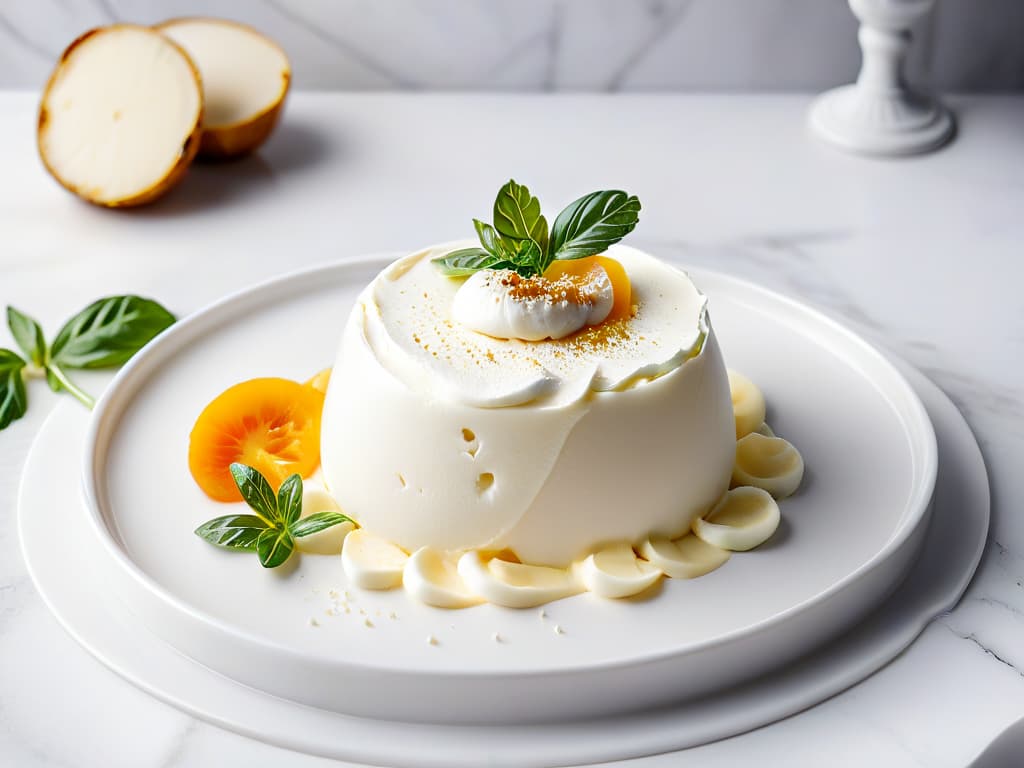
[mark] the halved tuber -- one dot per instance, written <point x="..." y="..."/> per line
<point x="120" y="117"/>
<point x="245" y="80"/>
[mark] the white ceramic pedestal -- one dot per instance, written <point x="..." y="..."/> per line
<point x="879" y="114"/>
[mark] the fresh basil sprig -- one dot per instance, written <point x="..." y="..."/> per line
<point x="519" y="238"/>
<point x="592" y="223"/>
<point x="108" y="332"/>
<point x="13" y="398"/>
<point x="278" y="521"/>
<point x="103" y="335"/>
<point x="517" y="215"/>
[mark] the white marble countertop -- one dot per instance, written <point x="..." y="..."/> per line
<point x="922" y="254"/>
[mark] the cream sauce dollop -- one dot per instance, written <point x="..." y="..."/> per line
<point x="502" y="304"/>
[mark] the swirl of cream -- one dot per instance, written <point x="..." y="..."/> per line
<point x="747" y="404"/>
<point x="684" y="558"/>
<point x="433" y="578"/>
<point x="515" y="585"/>
<point x="616" y="571"/>
<point x="742" y="519"/>
<point x="371" y="562"/>
<point x="503" y="304"/>
<point x="769" y="463"/>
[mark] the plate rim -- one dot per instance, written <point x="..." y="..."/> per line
<point x="124" y="386"/>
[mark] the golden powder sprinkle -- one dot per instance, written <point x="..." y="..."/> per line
<point x="566" y="287"/>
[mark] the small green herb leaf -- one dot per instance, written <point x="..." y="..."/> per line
<point x="274" y="546"/>
<point x="271" y="531"/>
<point x="492" y="241"/>
<point x="13" y="398"/>
<point x="528" y="259"/>
<point x="256" y="492"/>
<point x="108" y="332"/>
<point x="589" y="225"/>
<point x="53" y="381"/>
<point x="466" y="261"/>
<point x="517" y="215"/>
<point x="520" y="240"/>
<point x="289" y="499"/>
<point x="29" y="336"/>
<point x="233" y="531"/>
<point x="317" y="522"/>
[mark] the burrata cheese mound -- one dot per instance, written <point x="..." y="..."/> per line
<point x="437" y="435"/>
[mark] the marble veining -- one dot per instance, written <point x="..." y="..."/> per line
<point x="973" y="638"/>
<point x="536" y="45"/>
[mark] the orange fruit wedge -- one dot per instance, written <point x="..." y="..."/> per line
<point x="621" y="289"/>
<point x="320" y="380"/>
<point x="272" y="425"/>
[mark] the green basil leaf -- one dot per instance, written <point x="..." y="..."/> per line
<point x="108" y="332"/>
<point x="13" y="398"/>
<point x="492" y="241"/>
<point x="589" y="225"/>
<point x="233" y="531"/>
<point x="317" y="522"/>
<point x="256" y="492"/>
<point x="528" y="259"/>
<point x="466" y="261"/>
<point x="53" y="381"/>
<point x="517" y="215"/>
<point x="289" y="499"/>
<point x="274" y="546"/>
<point x="29" y="336"/>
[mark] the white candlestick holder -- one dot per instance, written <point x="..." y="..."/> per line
<point x="879" y="114"/>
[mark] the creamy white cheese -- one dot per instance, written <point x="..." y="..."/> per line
<point x="769" y="463"/>
<point x="412" y="333"/>
<point x="315" y="498"/>
<point x="516" y="585"/>
<point x="371" y="562"/>
<point x="435" y="435"/>
<point x="493" y="302"/>
<point x="615" y="571"/>
<point x="685" y="558"/>
<point x="742" y="519"/>
<point x="747" y="403"/>
<point x="433" y="578"/>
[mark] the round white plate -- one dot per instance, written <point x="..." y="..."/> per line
<point x="847" y="538"/>
<point x="60" y="554"/>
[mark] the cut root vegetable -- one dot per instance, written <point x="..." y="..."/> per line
<point x="120" y="117"/>
<point x="245" y="80"/>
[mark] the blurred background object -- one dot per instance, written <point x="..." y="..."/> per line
<point x="536" y="45"/>
<point x="881" y="114"/>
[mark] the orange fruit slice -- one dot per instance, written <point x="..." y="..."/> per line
<point x="621" y="289"/>
<point x="320" y="380"/>
<point x="273" y="425"/>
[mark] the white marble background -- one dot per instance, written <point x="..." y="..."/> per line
<point x="602" y="45"/>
